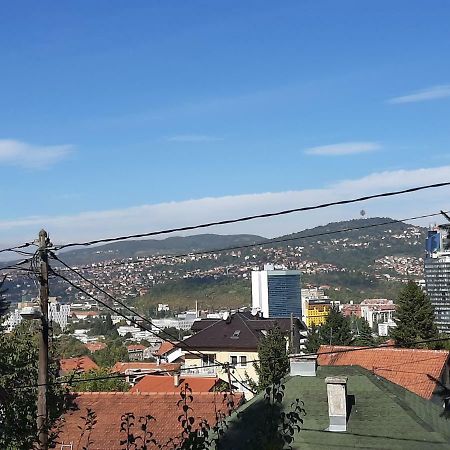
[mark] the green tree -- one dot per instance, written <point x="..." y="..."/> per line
<point x="102" y="385"/>
<point x="104" y="327"/>
<point x="114" y="352"/>
<point x="4" y="304"/>
<point x="336" y="329"/>
<point x="414" y="318"/>
<point x="18" y="378"/>
<point x="273" y="362"/>
<point x="69" y="347"/>
<point x="364" y="335"/>
<point x="314" y="340"/>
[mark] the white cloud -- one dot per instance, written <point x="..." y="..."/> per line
<point x="432" y="93"/>
<point x="193" y="138"/>
<point x="344" y="148"/>
<point x="138" y="219"/>
<point x="21" y="154"/>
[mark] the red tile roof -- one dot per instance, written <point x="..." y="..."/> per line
<point x="165" y="347"/>
<point x="157" y="383"/>
<point x="109" y="407"/>
<point x="95" y="346"/>
<point x="406" y="367"/>
<point x="135" y="347"/>
<point x="123" y="366"/>
<point x="81" y="364"/>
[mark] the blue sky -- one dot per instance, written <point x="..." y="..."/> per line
<point x="112" y="105"/>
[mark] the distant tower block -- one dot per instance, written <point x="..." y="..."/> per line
<point x="276" y="293"/>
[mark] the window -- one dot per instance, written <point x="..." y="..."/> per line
<point x="233" y="360"/>
<point x="243" y="361"/>
<point x="207" y="360"/>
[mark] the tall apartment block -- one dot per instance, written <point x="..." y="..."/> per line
<point x="437" y="274"/>
<point x="276" y="293"/>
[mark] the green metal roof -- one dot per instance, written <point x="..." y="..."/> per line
<point x="384" y="416"/>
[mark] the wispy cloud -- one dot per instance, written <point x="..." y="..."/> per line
<point x="432" y="93"/>
<point x="343" y="148"/>
<point x="193" y="138"/>
<point x="21" y="154"/>
<point x="137" y="219"/>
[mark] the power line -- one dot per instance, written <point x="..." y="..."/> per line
<point x="187" y="368"/>
<point x="175" y="344"/>
<point x="257" y="216"/>
<point x="17" y="247"/>
<point x="272" y="241"/>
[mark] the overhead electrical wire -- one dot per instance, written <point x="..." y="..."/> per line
<point x="184" y="347"/>
<point x="187" y="368"/>
<point x="256" y="216"/>
<point x="266" y="242"/>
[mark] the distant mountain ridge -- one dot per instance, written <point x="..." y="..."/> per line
<point x="149" y="247"/>
<point x="372" y="231"/>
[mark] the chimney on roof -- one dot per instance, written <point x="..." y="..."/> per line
<point x="303" y="365"/>
<point x="337" y="403"/>
<point x="176" y="379"/>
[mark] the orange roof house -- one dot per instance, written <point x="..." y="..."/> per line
<point x="80" y="364"/>
<point x="414" y="369"/>
<point x="165" y="347"/>
<point x="109" y="409"/>
<point x="95" y="346"/>
<point x="156" y="383"/>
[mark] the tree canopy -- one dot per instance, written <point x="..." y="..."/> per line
<point x="414" y="318"/>
<point x="273" y="360"/>
<point x="18" y="378"/>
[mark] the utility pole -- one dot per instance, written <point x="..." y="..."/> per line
<point x="42" y="411"/>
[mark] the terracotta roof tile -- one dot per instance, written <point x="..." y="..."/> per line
<point x="109" y="407"/>
<point x="95" y="346"/>
<point x="121" y="367"/>
<point x="165" y="347"/>
<point x="409" y="368"/>
<point x="157" y="383"/>
<point x="80" y="364"/>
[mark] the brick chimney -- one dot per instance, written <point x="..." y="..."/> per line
<point x="337" y="403"/>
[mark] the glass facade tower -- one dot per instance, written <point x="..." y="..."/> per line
<point x="277" y="293"/>
<point x="437" y="275"/>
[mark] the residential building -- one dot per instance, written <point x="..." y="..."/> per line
<point x="347" y="408"/>
<point x="111" y="407"/>
<point x="377" y="310"/>
<point x="350" y="309"/>
<point x="316" y="312"/>
<point x="58" y="313"/>
<point x="95" y="346"/>
<point x="419" y="371"/>
<point x="80" y="364"/>
<point x="136" y="370"/>
<point x="136" y="352"/>
<point x="233" y="340"/>
<point x="437" y="274"/>
<point x="276" y="293"/>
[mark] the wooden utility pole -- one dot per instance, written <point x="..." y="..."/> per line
<point x="42" y="411"/>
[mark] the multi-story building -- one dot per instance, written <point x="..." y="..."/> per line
<point x="377" y="310"/>
<point x="316" y="312"/>
<point x="276" y="293"/>
<point x="437" y="274"/>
